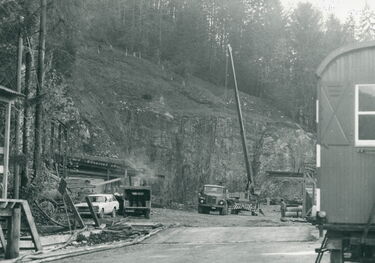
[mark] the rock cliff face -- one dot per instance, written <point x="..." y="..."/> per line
<point x="184" y="132"/>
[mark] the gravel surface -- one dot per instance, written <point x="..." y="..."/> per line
<point x="192" y="218"/>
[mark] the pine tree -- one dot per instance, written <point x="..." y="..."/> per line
<point x="306" y="42"/>
<point x="349" y="29"/>
<point x="366" y="29"/>
<point x="334" y="34"/>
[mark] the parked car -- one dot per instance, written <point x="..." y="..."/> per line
<point x="102" y="203"/>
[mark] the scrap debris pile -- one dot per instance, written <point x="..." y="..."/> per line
<point x="116" y="232"/>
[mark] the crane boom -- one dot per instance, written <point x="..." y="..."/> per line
<point x="249" y="169"/>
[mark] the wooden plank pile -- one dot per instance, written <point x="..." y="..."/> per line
<point x="116" y="232"/>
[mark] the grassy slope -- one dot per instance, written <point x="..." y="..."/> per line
<point x="110" y="78"/>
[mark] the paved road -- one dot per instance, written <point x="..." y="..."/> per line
<point x="217" y="244"/>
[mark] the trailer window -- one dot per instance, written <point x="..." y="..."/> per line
<point x="365" y="115"/>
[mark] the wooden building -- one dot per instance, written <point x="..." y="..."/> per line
<point x="346" y="141"/>
<point x="7" y="96"/>
<point x="10" y="209"/>
<point x="89" y="174"/>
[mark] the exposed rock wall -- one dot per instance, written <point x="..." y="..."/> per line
<point x="186" y="134"/>
<point x="189" y="151"/>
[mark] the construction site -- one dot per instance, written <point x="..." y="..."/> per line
<point x="187" y="131"/>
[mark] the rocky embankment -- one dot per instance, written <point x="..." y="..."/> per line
<point x="184" y="132"/>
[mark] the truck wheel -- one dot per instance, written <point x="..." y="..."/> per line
<point x="225" y="210"/>
<point x="235" y="211"/>
<point x="101" y="213"/>
<point x="200" y="209"/>
<point x="336" y="256"/>
<point x="114" y="212"/>
<point x="147" y="214"/>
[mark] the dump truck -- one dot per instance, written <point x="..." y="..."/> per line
<point x="213" y="198"/>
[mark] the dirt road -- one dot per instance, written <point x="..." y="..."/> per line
<point x="271" y="217"/>
<point x="217" y="244"/>
<point x="213" y="238"/>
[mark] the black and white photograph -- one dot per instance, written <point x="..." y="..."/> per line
<point x="187" y="131"/>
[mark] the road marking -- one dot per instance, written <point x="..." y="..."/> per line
<point x="300" y="253"/>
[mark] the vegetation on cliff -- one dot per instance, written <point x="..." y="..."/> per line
<point x="146" y="80"/>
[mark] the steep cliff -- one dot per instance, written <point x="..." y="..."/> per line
<point x="185" y="132"/>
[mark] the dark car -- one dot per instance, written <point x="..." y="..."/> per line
<point x="137" y="201"/>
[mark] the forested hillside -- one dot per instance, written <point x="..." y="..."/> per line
<point x="149" y="80"/>
<point x="276" y="51"/>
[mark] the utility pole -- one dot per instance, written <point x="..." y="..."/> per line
<point x="249" y="169"/>
<point x="16" y="180"/>
<point x="26" y="115"/>
<point x="39" y="86"/>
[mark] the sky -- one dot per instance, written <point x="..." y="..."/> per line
<point x="341" y="8"/>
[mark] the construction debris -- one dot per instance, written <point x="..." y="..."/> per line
<point x="120" y="230"/>
<point x="108" y="236"/>
<point x="86" y="241"/>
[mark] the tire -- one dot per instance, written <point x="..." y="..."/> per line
<point x="200" y="209"/>
<point x="336" y="256"/>
<point x="235" y="212"/>
<point x="48" y="206"/>
<point x="222" y="211"/>
<point x="147" y="214"/>
<point x="101" y="213"/>
<point x="114" y="212"/>
<point x="225" y="210"/>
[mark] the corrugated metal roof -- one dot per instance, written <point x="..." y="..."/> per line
<point x="340" y="51"/>
<point x="102" y="161"/>
<point x="214" y="185"/>
<point x="9" y="94"/>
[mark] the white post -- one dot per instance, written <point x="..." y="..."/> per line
<point x="6" y="150"/>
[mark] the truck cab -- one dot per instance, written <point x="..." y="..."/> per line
<point x="213" y="198"/>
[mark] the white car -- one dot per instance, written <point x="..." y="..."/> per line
<point x="102" y="203"/>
